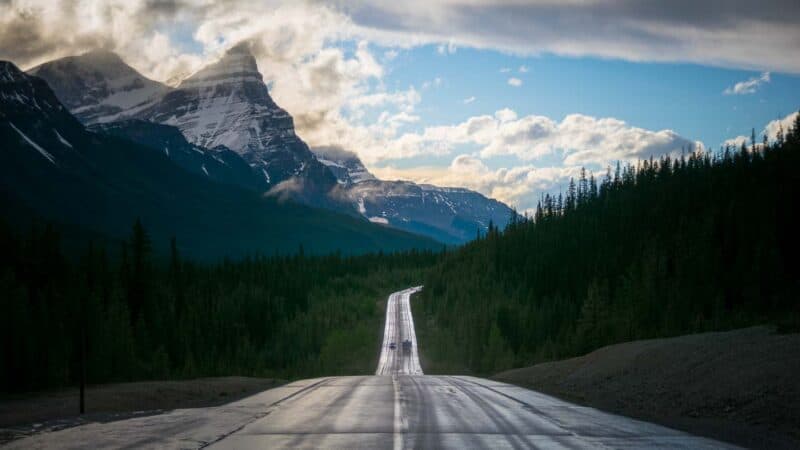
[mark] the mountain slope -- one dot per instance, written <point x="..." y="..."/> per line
<point x="50" y="164"/>
<point x="450" y="215"/>
<point x="98" y="86"/>
<point x="226" y="105"/>
<point x="221" y="164"/>
<point x="702" y="243"/>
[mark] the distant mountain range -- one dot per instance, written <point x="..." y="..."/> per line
<point x="52" y="168"/>
<point x="228" y="121"/>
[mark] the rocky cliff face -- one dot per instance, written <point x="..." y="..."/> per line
<point x="226" y="108"/>
<point x="228" y="104"/>
<point x="450" y="215"/>
<point x="99" y="87"/>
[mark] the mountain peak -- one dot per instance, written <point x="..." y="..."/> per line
<point x="10" y="73"/>
<point x="101" y="55"/>
<point x="237" y="65"/>
<point x="99" y="86"/>
<point x="242" y="48"/>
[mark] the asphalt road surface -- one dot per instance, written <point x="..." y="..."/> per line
<point x="399" y="328"/>
<point x="397" y="408"/>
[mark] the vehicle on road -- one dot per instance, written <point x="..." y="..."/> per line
<point x="407" y="346"/>
<point x="392" y="346"/>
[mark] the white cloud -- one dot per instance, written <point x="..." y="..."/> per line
<point x="436" y="82"/>
<point x="505" y="69"/>
<point x="737" y="142"/>
<point x="749" y="86"/>
<point x="516" y="82"/>
<point x="523" y="69"/>
<point x="469" y="100"/>
<point x="785" y="124"/>
<point x="740" y="34"/>
<point x="331" y="92"/>
<point x="771" y="130"/>
<point x="519" y="186"/>
<point x="577" y="140"/>
<point x="505" y="115"/>
<point x="446" y="49"/>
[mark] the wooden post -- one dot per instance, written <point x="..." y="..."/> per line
<point x="83" y="367"/>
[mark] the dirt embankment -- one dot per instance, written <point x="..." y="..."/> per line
<point x="741" y="386"/>
<point x="25" y="414"/>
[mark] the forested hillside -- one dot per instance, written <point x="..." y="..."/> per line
<point x="668" y="247"/>
<point x="139" y="317"/>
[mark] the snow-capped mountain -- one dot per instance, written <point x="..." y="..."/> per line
<point x="345" y="165"/>
<point x="220" y="164"/>
<point x="94" y="185"/>
<point x="226" y="107"/>
<point x="99" y="87"/>
<point x="227" y="104"/>
<point x="451" y="215"/>
<point x="36" y="117"/>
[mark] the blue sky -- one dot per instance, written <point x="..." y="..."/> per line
<point x="687" y="98"/>
<point x="417" y="89"/>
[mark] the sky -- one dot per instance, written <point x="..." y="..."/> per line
<point x="510" y="98"/>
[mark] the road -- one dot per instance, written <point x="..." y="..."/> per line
<point x="398" y="329"/>
<point x="397" y="408"/>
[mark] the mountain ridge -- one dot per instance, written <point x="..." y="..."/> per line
<point x="226" y="103"/>
<point x="53" y="167"/>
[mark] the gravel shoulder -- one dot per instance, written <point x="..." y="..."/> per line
<point x="26" y="414"/>
<point x="740" y="386"/>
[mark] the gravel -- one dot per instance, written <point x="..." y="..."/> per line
<point x="26" y="414"/>
<point x="740" y="386"/>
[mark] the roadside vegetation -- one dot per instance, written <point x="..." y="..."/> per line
<point x="138" y="316"/>
<point x="707" y="241"/>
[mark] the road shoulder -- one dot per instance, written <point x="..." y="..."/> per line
<point x="738" y="386"/>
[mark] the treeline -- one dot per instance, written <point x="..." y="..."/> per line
<point x="138" y="316"/>
<point x="708" y="241"/>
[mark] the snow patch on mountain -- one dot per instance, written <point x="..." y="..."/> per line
<point x="33" y="144"/>
<point x="227" y="103"/>
<point x="449" y="214"/>
<point x="61" y="138"/>
<point x="99" y="87"/>
<point x="346" y="166"/>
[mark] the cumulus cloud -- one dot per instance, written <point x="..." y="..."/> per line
<point x="523" y="69"/>
<point x="469" y="100"/>
<point x="577" y="139"/>
<point x="775" y="126"/>
<point x="518" y="186"/>
<point x="749" y="86"/>
<point x="516" y="82"/>
<point x="338" y="97"/>
<point x="33" y="32"/>
<point x="737" y="142"/>
<point x="549" y="152"/>
<point x="771" y="130"/>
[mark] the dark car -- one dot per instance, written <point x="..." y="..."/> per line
<point x="407" y="346"/>
<point x="392" y="346"/>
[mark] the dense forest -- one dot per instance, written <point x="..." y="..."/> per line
<point x="707" y="241"/>
<point x="701" y="242"/>
<point x="135" y="315"/>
